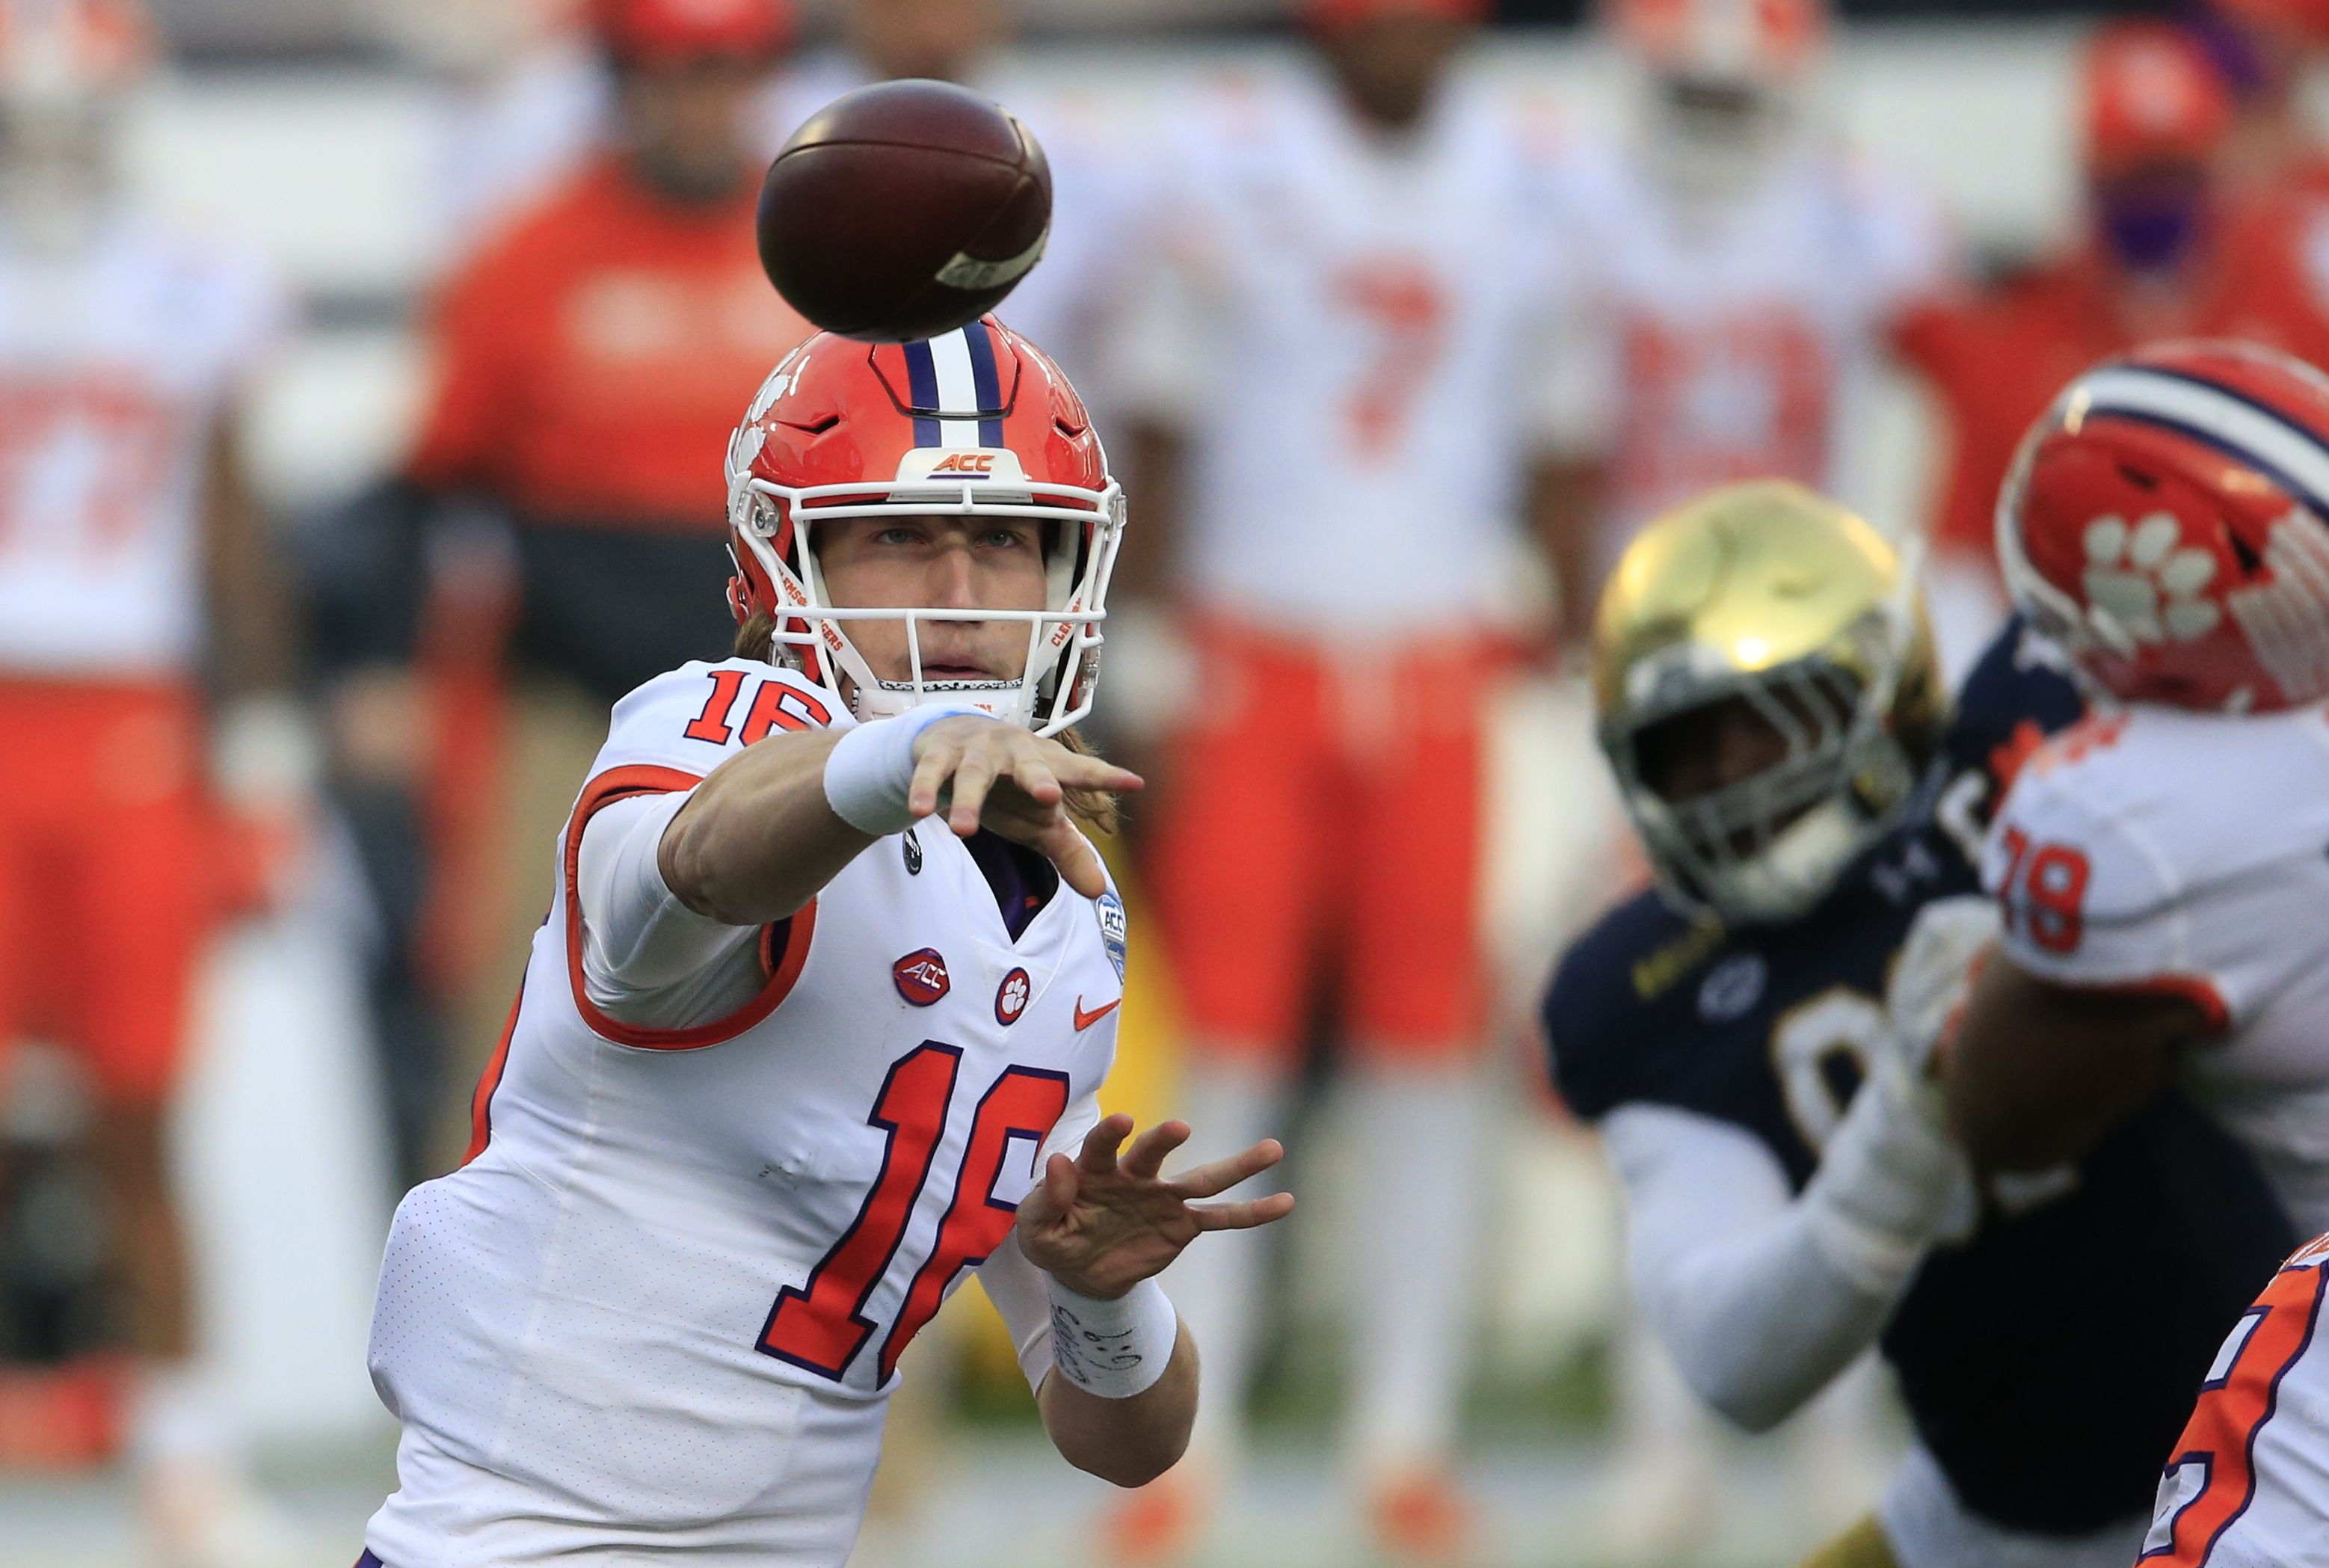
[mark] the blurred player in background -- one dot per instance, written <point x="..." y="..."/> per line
<point x="141" y="626"/>
<point x="1773" y="710"/>
<point x="580" y="358"/>
<point x="1339" y="391"/>
<point x="2278" y="277"/>
<point x="585" y="361"/>
<point x="2265" y="50"/>
<point x="659" y="1311"/>
<point x="1744" y="277"/>
<point x="2158" y="871"/>
<point x="2150" y="262"/>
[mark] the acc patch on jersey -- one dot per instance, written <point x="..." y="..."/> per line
<point x="921" y="976"/>
<point x="1114" y="929"/>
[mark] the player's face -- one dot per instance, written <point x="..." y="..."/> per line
<point x="942" y="39"/>
<point x="1714" y="135"/>
<point x="686" y="124"/>
<point x="1709" y="748"/>
<point x="1391" y="65"/>
<point x="935" y="562"/>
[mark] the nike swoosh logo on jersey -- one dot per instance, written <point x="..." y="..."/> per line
<point x="1086" y="1020"/>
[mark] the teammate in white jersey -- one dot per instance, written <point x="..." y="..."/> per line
<point x="2161" y="870"/>
<point x="1740" y="275"/>
<point x="789" y="1051"/>
<point x="134" y="583"/>
<point x="1338" y="384"/>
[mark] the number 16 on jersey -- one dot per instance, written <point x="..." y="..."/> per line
<point x="820" y="1326"/>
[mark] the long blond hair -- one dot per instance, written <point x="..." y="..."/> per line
<point x="1095" y="811"/>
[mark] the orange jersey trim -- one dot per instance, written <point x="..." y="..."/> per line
<point x="2200" y="993"/>
<point x="2196" y="989"/>
<point x="783" y="966"/>
<point x="481" y="1102"/>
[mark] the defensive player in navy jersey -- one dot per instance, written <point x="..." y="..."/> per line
<point x="1769" y="701"/>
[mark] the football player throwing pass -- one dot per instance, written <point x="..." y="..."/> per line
<point x="816" y="1025"/>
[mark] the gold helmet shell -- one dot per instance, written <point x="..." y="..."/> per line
<point x="1769" y="593"/>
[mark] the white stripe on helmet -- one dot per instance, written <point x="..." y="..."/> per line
<point x="957" y="390"/>
<point x="2245" y="428"/>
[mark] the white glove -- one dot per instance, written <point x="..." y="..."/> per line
<point x="1930" y="981"/>
<point x="1893" y="1180"/>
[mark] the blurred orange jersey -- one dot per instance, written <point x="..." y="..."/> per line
<point x="2279" y="274"/>
<point x="592" y="363"/>
<point x="1997" y="361"/>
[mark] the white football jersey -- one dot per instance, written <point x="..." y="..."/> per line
<point x="2248" y="1483"/>
<point x="117" y="363"/>
<point x="2154" y="849"/>
<point x="659" y="1312"/>
<point x="1736" y="340"/>
<point x="1345" y="328"/>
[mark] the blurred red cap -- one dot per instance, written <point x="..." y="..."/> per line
<point x="2151" y="92"/>
<point x="1342" y="13"/>
<point x="644" y="31"/>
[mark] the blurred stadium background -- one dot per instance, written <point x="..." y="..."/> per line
<point x="339" y="139"/>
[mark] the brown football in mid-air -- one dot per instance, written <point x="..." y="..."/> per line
<point x="904" y="210"/>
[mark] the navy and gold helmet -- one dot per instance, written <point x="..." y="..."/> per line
<point x="1794" y="614"/>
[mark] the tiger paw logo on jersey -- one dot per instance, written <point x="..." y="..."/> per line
<point x="921" y="977"/>
<point x="2138" y="577"/>
<point x="1010" y="996"/>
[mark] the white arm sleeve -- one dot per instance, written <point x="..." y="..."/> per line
<point x="1731" y="1271"/>
<point x="1018" y="1289"/>
<point x="648" y="959"/>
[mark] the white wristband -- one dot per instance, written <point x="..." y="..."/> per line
<point x="1114" y="1350"/>
<point x="868" y="772"/>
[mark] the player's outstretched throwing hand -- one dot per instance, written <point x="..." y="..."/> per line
<point x="1100" y="1225"/>
<point x="1012" y="782"/>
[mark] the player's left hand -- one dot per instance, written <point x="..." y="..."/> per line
<point x="1100" y="1225"/>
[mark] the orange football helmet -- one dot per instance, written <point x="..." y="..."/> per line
<point x="977" y="421"/>
<point x="2167" y="521"/>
